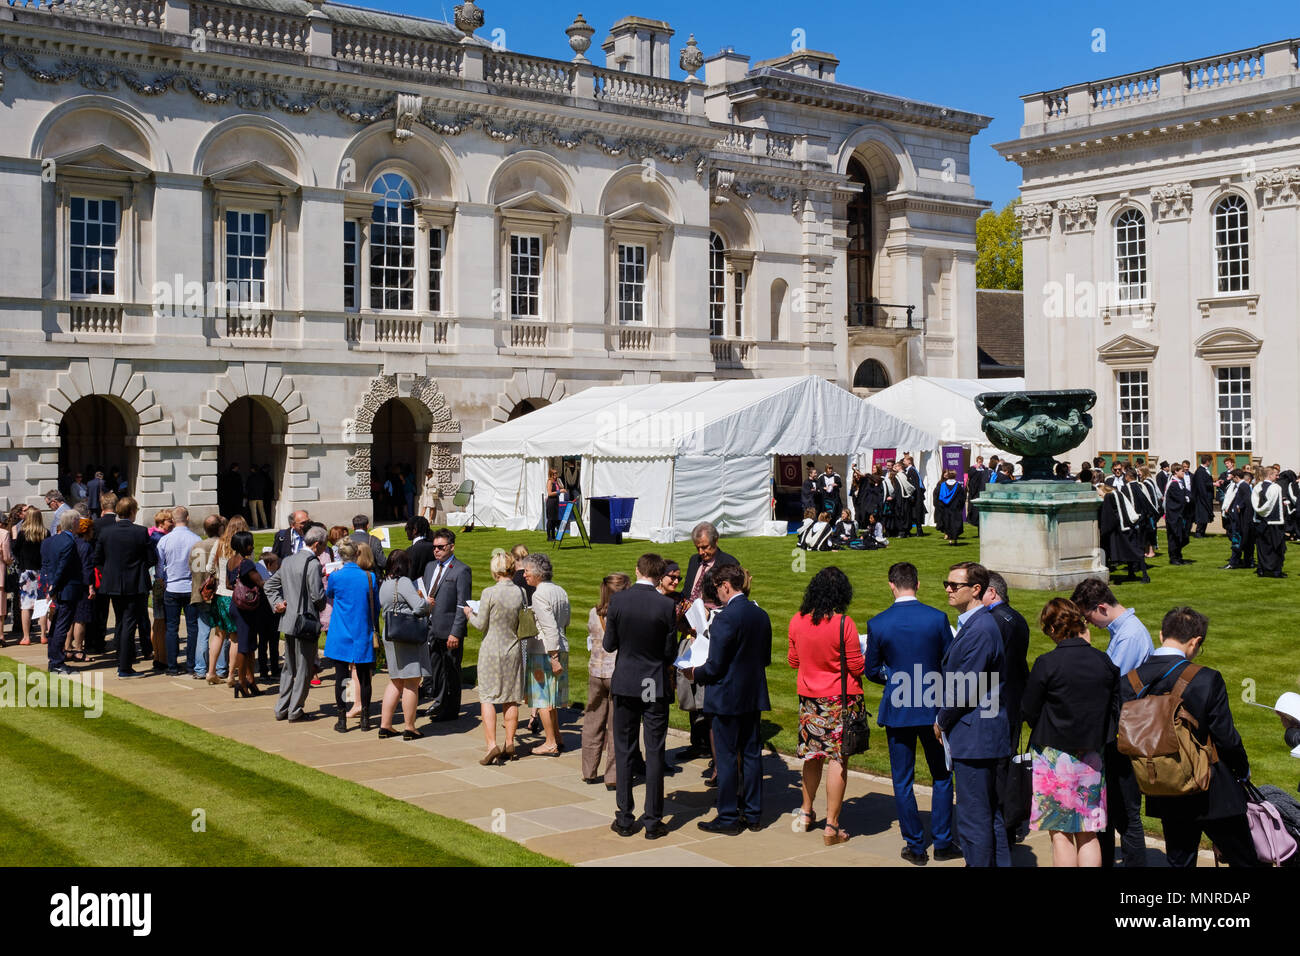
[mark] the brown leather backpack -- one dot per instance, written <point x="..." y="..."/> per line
<point x="1156" y="734"/>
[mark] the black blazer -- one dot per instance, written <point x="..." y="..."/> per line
<point x="641" y="625"/>
<point x="125" y="553"/>
<point x="1206" y="699"/>
<point x="1072" y="699"/>
<point x="1015" y="649"/>
<point x="376" y="547"/>
<point x="693" y="565"/>
<point x="282" y="546"/>
<point x="419" y="554"/>
<point x="61" y="567"/>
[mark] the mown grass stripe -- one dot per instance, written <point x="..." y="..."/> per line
<point x="25" y="844"/>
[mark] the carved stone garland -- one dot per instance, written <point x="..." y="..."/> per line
<point x="444" y="457"/>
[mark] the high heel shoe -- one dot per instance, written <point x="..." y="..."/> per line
<point x="493" y="757"/>
<point x="840" y="835"/>
<point x="252" y="690"/>
<point x="509" y="753"/>
<point x="239" y="691"/>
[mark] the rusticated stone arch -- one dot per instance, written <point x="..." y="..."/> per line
<point x="532" y="384"/>
<point x="432" y="408"/>
<point x="112" y="378"/>
<point x="256" y="380"/>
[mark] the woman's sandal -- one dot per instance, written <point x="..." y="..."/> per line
<point x="808" y="821"/>
<point x="840" y="835"/>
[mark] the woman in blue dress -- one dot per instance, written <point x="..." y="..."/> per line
<point x="353" y="594"/>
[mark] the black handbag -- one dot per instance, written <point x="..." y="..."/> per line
<point x="855" y="730"/>
<point x="404" y="628"/>
<point x="1017" y="790"/>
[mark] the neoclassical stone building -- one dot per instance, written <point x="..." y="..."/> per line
<point x="1161" y="227"/>
<point x="327" y="239"/>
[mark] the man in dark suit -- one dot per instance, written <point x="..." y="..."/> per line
<point x="361" y="535"/>
<point x="61" y="569"/>
<point x="641" y="625"/>
<point x="740" y="648"/>
<point x="974" y="718"/>
<point x="95" y="632"/>
<point x="1202" y="496"/>
<point x="917" y="517"/>
<point x="126" y="553"/>
<point x="1219" y="812"/>
<point x="706" y="557"/>
<point x="905" y="643"/>
<point x="808" y="496"/>
<point x="420" y="550"/>
<point x="1162" y="478"/>
<point x="1015" y="646"/>
<point x="95" y="488"/>
<point x="976" y="481"/>
<point x="290" y="540"/>
<point x="449" y="581"/>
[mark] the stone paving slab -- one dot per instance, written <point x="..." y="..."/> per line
<point x="541" y="802"/>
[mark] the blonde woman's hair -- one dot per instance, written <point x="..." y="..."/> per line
<point x="365" y="557"/>
<point x="235" y="525"/>
<point x="347" y="550"/>
<point x="503" y="564"/>
<point x="161" y="515"/>
<point x="34" y="529"/>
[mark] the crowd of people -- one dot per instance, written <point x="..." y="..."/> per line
<point x="238" y="606"/>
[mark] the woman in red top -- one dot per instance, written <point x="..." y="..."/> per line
<point x="815" y="652"/>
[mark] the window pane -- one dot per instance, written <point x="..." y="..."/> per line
<point x="247" y="239"/>
<point x="392" y="245"/>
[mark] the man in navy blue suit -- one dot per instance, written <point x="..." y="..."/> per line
<point x="740" y="649"/>
<point x="974" y="718"/>
<point x="905" y="647"/>
<point x="61" y="569"/>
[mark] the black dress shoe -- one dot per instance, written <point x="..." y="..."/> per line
<point x="624" y="831"/>
<point x="341" y="725"/>
<point x="305" y="718"/>
<point x="729" y="829"/>
<point x="593" y="780"/>
<point x="947" y="853"/>
<point x="754" y="825"/>
<point x="611" y="786"/>
<point x="656" y="830"/>
<point x="917" y="859"/>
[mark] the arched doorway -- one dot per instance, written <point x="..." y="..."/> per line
<point x="525" y="406"/>
<point x="399" y="447"/>
<point x="251" y="460"/>
<point x="859" y="256"/>
<point x="871" y="374"/>
<point x="95" y="435"/>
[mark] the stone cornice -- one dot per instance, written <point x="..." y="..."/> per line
<point x="1035" y="220"/>
<point x="1077" y="214"/>
<point x="897" y="202"/>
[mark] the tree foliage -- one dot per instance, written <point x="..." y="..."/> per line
<point x="998" y="263"/>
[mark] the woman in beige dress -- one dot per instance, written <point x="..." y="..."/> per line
<point x="430" y="498"/>
<point x="500" y="664"/>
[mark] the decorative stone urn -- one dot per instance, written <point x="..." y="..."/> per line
<point x="580" y="33"/>
<point x="468" y="18"/>
<point x="1039" y="532"/>
<point x="691" y="58"/>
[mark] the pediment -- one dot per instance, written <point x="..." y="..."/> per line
<point x="536" y="201"/>
<point x="1127" y="350"/>
<point x="1234" y="343"/>
<point x="641" y="212"/>
<point x="253" y="174"/>
<point x="102" y="160"/>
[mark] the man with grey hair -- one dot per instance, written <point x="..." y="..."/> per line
<point x="54" y="500"/>
<point x="548" y="652"/>
<point x="175" y="571"/>
<point x="1015" y="647"/>
<point x="361" y="535"/>
<point x="707" y="557"/>
<point x="61" y="570"/>
<point x="296" y="593"/>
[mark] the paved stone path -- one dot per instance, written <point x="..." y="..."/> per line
<point x="540" y="802"/>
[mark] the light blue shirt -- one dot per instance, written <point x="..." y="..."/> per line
<point x="965" y="616"/>
<point x="1167" y="652"/>
<point x="1130" y="642"/>
<point x="174" y="549"/>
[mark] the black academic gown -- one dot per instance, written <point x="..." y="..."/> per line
<point x="949" y="518"/>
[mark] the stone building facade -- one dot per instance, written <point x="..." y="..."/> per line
<point x="1160" y="216"/>
<point x="325" y="239"/>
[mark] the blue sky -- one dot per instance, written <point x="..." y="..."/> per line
<point x="975" y="56"/>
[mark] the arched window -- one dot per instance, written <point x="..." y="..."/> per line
<point x="392" y="245"/>
<point x="1131" y="256"/>
<point x="1232" y="244"/>
<point x="717" y="285"/>
<point x="871" y="374"/>
<point x="859" y="250"/>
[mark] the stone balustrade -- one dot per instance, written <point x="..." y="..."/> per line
<point x="530" y="73"/>
<point x="634" y="338"/>
<point x="635" y="89"/>
<point x="248" y="26"/>
<point x="254" y="326"/>
<point x="396" y="330"/>
<point x="135" y="13"/>
<point x="1242" y="68"/>
<point x="95" y="317"/>
<point x="398" y="52"/>
<point x="732" y="353"/>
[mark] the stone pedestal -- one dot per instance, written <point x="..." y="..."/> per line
<point x="1041" y="534"/>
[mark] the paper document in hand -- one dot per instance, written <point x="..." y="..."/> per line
<point x="697" y="616"/>
<point x="695" y="655"/>
<point x="384" y="539"/>
<point x="473" y="606"/>
<point x="947" y="752"/>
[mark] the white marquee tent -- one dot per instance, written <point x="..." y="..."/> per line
<point x="945" y="407"/>
<point x="687" y="451"/>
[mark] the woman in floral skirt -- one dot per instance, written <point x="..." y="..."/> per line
<point x="1072" y="703"/>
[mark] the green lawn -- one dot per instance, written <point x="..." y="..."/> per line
<point x="121" y="790"/>
<point x="1254" y="625"/>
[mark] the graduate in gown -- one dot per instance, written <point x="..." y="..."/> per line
<point x="1120" y="526"/>
<point x="1236" y="502"/>
<point x="1177" y="512"/>
<point x="1270" y="523"/>
<point x="1144" y="497"/>
<point x="1291" y="503"/>
<point x="950" y="507"/>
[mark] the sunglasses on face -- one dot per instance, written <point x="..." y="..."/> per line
<point x="441" y="547"/>
<point x="955" y="585"/>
